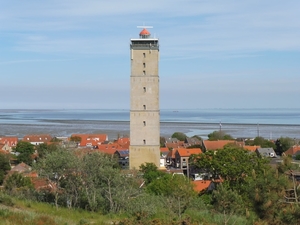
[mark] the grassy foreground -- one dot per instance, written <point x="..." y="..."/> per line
<point x="14" y="211"/>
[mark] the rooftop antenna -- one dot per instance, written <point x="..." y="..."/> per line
<point x="144" y="26"/>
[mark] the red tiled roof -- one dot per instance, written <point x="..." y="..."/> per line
<point x="186" y="152"/>
<point x="201" y="185"/>
<point x="251" y="148"/>
<point x="292" y="150"/>
<point x="10" y="141"/>
<point x="37" y="138"/>
<point x="214" y="145"/>
<point x="91" y="139"/>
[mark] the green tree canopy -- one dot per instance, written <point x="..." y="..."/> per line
<point x="25" y="150"/>
<point x="150" y="172"/>
<point x="180" y="136"/>
<point x="4" y="166"/>
<point x="231" y="163"/>
<point x="219" y="135"/>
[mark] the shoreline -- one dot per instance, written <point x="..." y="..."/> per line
<point x="114" y="129"/>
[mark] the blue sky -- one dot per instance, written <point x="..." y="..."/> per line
<point x="213" y="53"/>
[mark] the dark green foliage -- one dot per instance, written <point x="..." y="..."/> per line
<point x="284" y="143"/>
<point x="180" y="136"/>
<point x="263" y="143"/>
<point x="26" y="150"/>
<point x="16" y="182"/>
<point x="6" y="200"/>
<point x="226" y="200"/>
<point x="4" y="167"/>
<point x="44" y="148"/>
<point x="219" y="135"/>
<point x="150" y="172"/>
<point x="231" y="163"/>
<point x="297" y="157"/>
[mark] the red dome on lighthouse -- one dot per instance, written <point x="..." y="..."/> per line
<point x="144" y="32"/>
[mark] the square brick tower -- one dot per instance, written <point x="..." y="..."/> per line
<point x="144" y="101"/>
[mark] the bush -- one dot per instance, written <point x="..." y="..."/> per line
<point x="6" y="200"/>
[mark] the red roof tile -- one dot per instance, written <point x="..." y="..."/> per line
<point x="214" y="145"/>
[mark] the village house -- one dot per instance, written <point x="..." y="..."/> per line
<point x="215" y="145"/>
<point x="182" y="156"/>
<point x="266" y="152"/>
<point x="37" y="139"/>
<point x="293" y="151"/>
<point x="8" y="143"/>
<point x="90" y="140"/>
<point x="171" y="143"/>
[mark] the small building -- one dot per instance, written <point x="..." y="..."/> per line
<point x="37" y="139"/>
<point x="215" y="145"/>
<point x="266" y="152"/>
<point x="182" y="156"/>
<point x="123" y="158"/>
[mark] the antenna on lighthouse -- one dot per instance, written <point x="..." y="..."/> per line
<point x="144" y="27"/>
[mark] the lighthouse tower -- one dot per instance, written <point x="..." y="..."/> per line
<point x="144" y="101"/>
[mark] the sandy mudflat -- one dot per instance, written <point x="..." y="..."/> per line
<point x="64" y="128"/>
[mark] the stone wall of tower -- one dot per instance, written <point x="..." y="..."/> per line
<point x="144" y="107"/>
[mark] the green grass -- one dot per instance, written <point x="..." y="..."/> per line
<point x="35" y="213"/>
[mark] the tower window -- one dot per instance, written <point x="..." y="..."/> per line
<point x="144" y="54"/>
<point x="144" y="141"/>
<point x="144" y="65"/>
<point x="144" y="88"/>
<point x="144" y="106"/>
<point x="144" y="122"/>
<point x="144" y="72"/>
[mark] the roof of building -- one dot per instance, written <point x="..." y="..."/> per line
<point x="10" y="141"/>
<point x="37" y="138"/>
<point x="91" y="139"/>
<point x="293" y="150"/>
<point x="187" y="152"/>
<point x="201" y="185"/>
<point x="214" y="145"/>
<point x="144" y="32"/>
<point x="251" y="148"/>
<point x="266" y="152"/>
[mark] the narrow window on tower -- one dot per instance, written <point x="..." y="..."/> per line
<point x="144" y="54"/>
<point x="144" y="89"/>
<point x="144" y="72"/>
<point x="144" y="141"/>
<point x="144" y="106"/>
<point x="144" y="65"/>
<point x="144" y="122"/>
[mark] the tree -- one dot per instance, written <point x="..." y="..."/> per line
<point x="219" y="135"/>
<point x="43" y="149"/>
<point x="25" y="150"/>
<point x="260" y="141"/>
<point x="283" y="144"/>
<point x="17" y="182"/>
<point x="180" y="136"/>
<point x="231" y="163"/>
<point x="177" y="188"/>
<point x="150" y="172"/>
<point x="56" y="168"/>
<point x="4" y="166"/>
<point x="75" y="139"/>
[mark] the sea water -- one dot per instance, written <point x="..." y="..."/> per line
<point x="269" y="123"/>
